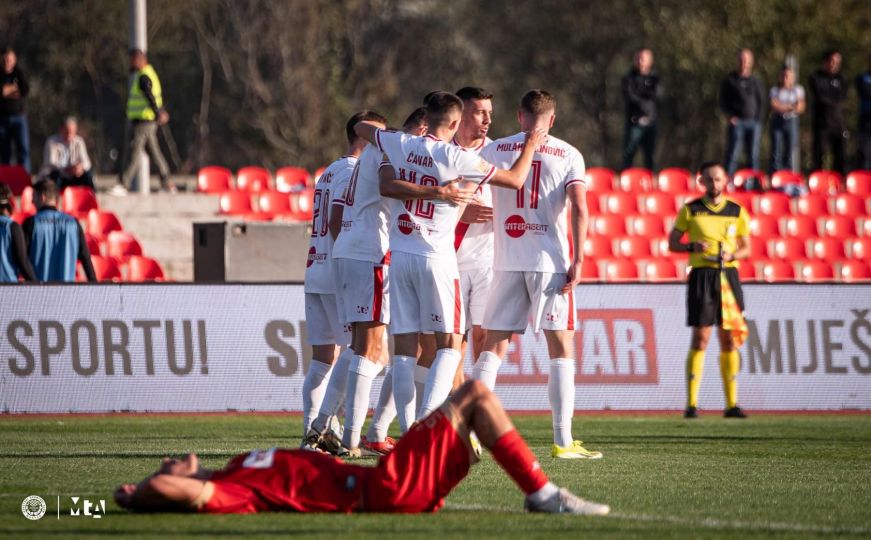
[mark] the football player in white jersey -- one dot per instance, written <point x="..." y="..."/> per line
<point x="326" y="330"/>
<point x="425" y="293"/>
<point x="536" y="267"/>
<point x="360" y="258"/>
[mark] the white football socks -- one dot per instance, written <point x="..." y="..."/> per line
<point x="360" y="376"/>
<point x="403" y="390"/>
<point x="313" y="389"/>
<point x="486" y="368"/>
<point x="561" y="391"/>
<point x="421" y="374"/>
<point x="385" y="411"/>
<point x="440" y="380"/>
<point x="334" y="395"/>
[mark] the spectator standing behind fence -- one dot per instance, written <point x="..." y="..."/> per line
<point x="828" y="92"/>
<point x="13" y="121"/>
<point x="55" y="240"/>
<point x="65" y="158"/>
<point x="144" y="113"/>
<point x="742" y="99"/>
<point x="640" y="89"/>
<point x="863" y="86"/>
<point x="13" y="249"/>
<point x="787" y="103"/>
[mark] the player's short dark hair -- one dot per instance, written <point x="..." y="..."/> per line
<point x="537" y="102"/>
<point x="361" y="116"/>
<point x="416" y="119"/>
<point x="440" y="105"/>
<point x="708" y="164"/>
<point x="5" y="198"/>
<point x="468" y="93"/>
<point x="828" y="53"/>
<point x="431" y="94"/>
<point x="46" y="188"/>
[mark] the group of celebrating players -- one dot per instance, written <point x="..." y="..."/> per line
<point x="438" y="233"/>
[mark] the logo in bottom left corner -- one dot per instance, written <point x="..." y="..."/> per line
<point x="33" y="507"/>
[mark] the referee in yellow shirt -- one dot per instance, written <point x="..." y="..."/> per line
<point x="718" y="230"/>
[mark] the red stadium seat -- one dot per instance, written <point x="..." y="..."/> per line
<point x="657" y="204"/>
<point x="20" y="215"/>
<point x="681" y="199"/>
<point x="747" y="271"/>
<point x="647" y="226"/>
<point x="27" y="200"/>
<point x="847" y="204"/>
<point x="214" y="179"/>
<point x="659" y="270"/>
<point x="78" y="201"/>
<point x="790" y="249"/>
<point x="773" y="204"/>
<point x="592" y="204"/>
<point x="619" y="270"/>
<point x="16" y="177"/>
<point x="144" y="269"/>
<point x="764" y="226"/>
<point x="589" y="270"/>
<point x="597" y="247"/>
<point x="600" y="179"/>
<point x="274" y="203"/>
<point x="235" y="203"/>
<point x="105" y="268"/>
<point x="93" y="244"/>
<point x="783" y="178"/>
<point x="851" y="271"/>
<point x="800" y="226"/>
<point x="608" y="226"/>
<point x="290" y="179"/>
<point x="618" y="203"/>
<point x="824" y="182"/>
<point x="828" y="249"/>
<point x="301" y="205"/>
<point x="863" y="226"/>
<point x="813" y="205"/>
<point x="317" y="176"/>
<point x="635" y="180"/>
<point x="759" y="247"/>
<point x="101" y="223"/>
<point x="675" y="180"/>
<point x="744" y="199"/>
<point x="742" y="176"/>
<point x="838" y="227"/>
<point x="859" y="183"/>
<point x="773" y="270"/>
<point x="632" y="247"/>
<point x="122" y="245"/>
<point x="815" y="270"/>
<point x="252" y="179"/>
<point x="859" y="247"/>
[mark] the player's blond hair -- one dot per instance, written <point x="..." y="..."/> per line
<point x="538" y="102"/>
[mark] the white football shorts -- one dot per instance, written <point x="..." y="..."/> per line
<point x="518" y="297"/>
<point x="475" y="286"/>
<point x="322" y="320"/>
<point x="425" y="295"/>
<point x="362" y="288"/>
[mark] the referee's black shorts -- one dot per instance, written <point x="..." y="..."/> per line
<point x="703" y="295"/>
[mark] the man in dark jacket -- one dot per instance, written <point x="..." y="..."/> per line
<point x="13" y="121"/>
<point x="828" y="92"/>
<point x="863" y="87"/>
<point x="742" y="99"/>
<point x="640" y="87"/>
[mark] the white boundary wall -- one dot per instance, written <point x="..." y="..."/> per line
<point x="241" y="347"/>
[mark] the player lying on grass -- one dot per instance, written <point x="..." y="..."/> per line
<point x="427" y="463"/>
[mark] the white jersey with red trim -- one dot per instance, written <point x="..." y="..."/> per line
<point x="426" y="227"/>
<point x="329" y="190"/>
<point x="364" y="221"/>
<point x="531" y="224"/>
<point x="474" y="241"/>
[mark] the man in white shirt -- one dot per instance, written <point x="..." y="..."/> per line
<point x="65" y="157"/>
<point x="425" y="284"/>
<point x="536" y="266"/>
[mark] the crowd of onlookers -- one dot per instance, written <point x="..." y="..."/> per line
<point x="744" y="102"/>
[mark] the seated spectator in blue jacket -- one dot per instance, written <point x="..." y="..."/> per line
<point x="65" y="158"/>
<point x="55" y="240"/>
<point x="13" y="250"/>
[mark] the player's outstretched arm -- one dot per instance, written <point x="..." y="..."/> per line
<point x="514" y="177"/>
<point x="580" y="217"/>
<point x="161" y="493"/>
<point x="395" y="188"/>
<point x="367" y="131"/>
<point x="337" y="211"/>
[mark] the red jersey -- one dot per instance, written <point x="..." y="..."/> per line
<point x="286" y="480"/>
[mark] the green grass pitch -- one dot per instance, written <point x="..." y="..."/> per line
<point x="768" y="476"/>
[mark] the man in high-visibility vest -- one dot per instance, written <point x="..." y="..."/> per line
<point x="144" y="112"/>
